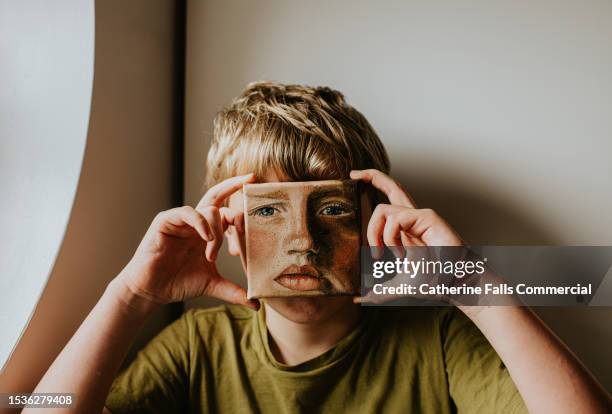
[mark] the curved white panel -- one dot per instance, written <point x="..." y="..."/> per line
<point x="46" y="76"/>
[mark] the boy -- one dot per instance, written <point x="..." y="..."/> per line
<point x="308" y="354"/>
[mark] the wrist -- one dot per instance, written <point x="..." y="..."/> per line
<point x="492" y="314"/>
<point x="472" y="312"/>
<point x="133" y="304"/>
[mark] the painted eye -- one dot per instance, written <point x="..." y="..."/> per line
<point x="265" y="211"/>
<point x="334" y="210"/>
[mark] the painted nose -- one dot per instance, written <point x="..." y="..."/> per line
<point x="299" y="239"/>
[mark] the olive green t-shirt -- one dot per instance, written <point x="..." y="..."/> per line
<point x="412" y="360"/>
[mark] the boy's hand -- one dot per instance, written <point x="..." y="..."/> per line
<point x="175" y="260"/>
<point x="401" y="223"/>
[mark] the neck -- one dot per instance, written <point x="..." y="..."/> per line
<point x="292" y="343"/>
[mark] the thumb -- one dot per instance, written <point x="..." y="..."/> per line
<point x="228" y="291"/>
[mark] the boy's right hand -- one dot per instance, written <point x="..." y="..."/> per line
<point x="175" y="260"/>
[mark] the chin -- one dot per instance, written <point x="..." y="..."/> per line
<point x="306" y="310"/>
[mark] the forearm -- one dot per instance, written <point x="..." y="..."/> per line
<point x="547" y="374"/>
<point x="89" y="362"/>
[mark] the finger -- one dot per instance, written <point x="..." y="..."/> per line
<point x="408" y="240"/>
<point x="232" y="217"/>
<point x="417" y="223"/>
<point x="369" y="297"/>
<point x="375" y="229"/>
<point x="362" y="299"/>
<point x="376" y="225"/>
<point x="391" y="188"/>
<point x="372" y="298"/>
<point x="228" y="291"/>
<point x="391" y="232"/>
<point x="395" y="282"/>
<point x="391" y="236"/>
<point x="188" y="216"/>
<point x="216" y="195"/>
<point x="213" y="217"/>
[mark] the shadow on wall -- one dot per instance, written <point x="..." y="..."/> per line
<point x="483" y="220"/>
<point x="477" y="217"/>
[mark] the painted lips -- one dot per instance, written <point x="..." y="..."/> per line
<point x="301" y="278"/>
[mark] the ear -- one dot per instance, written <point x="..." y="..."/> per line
<point x="233" y="241"/>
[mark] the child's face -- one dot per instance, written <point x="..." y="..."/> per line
<point x="294" y="235"/>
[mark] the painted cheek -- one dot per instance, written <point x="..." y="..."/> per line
<point x="345" y="241"/>
<point x="266" y="248"/>
<point x="261" y="243"/>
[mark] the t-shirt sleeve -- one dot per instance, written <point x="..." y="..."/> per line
<point x="158" y="378"/>
<point x="479" y="382"/>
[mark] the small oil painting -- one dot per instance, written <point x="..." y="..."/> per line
<point x="303" y="238"/>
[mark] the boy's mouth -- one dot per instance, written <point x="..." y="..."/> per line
<point x="301" y="278"/>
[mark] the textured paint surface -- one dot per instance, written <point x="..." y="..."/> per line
<point x="302" y="238"/>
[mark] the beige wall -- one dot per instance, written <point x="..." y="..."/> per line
<point x="127" y="177"/>
<point x="496" y="114"/>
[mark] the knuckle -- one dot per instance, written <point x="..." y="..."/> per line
<point x="212" y="209"/>
<point x="213" y="199"/>
<point x="209" y="211"/>
<point x="380" y="208"/>
<point x="162" y="215"/>
<point x="389" y="239"/>
<point x="429" y="212"/>
<point x="391" y="221"/>
<point x="210" y="197"/>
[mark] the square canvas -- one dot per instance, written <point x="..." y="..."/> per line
<point x="303" y="238"/>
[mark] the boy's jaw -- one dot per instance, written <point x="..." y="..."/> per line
<point x="302" y="328"/>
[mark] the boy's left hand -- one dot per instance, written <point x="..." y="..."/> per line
<point x="401" y="223"/>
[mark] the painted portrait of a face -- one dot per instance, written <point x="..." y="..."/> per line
<point x="302" y="238"/>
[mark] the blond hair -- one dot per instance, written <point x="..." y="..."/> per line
<point x="303" y="133"/>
